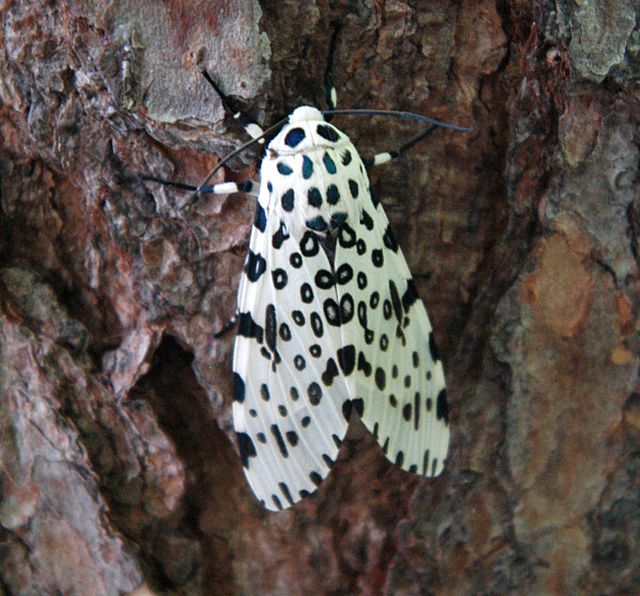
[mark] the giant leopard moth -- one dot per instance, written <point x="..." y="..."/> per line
<point x="329" y="318"/>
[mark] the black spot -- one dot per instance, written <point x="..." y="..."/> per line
<point x="410" y="295"/>
<point x="390" y="240"/>
<point x="374" y="198"/>
<point x="284" y="169"/>
<point x="380" y="378"/>
<point x="255" y="266"/>
<point x="346" y="157"/>
<point x="288" y="200"/>
<point x="298" y="317"/>
<point x="347" y="407"/>
<point x="434" y="465"/>
<point x="306" y="293"/>
<point x="338" y="219"/>
<point x="377" y="258"/>
<point x="264" y="392"/>
<point x="309" y="244"/>
<point x="317" y="224"/>
<point x="369" y="336"/>
<point x="407" y="381"/>
<point x="358" y="405"/>
<point x="364" y="365"/>
<point x="314" y="391"/>
<point x="282" y="410"/>
<point x="327" y="132"/>
<point x="346" y="236"/>
<point x="246" y="447"/>
<point x="314" y="197"/>
<point x="303" y="493"/>
<point x="307" y="167"/>
<point x="406" y="412"/>
<point x="353" y="188"/>
<point x="428" y="375"/>
<point x="299" y="362"/>
<point x="276" y="502"/>
<point x="387" y="309"/>
<point x="324" y="279"/>
<point x="294" y="137"/>
<point x="306" y="421"/>
<point x="238" y="388"/>
<point x="315" y="478"/>
<point x="442" y="406"/>
<point x="384" y="342"/>
<point x="280" y="236"/>
<point x="362" y="314"/>
<point x="346" y="309"/>
<point x="362" y="280"/>
<point x="344" y="274"/>
<point x="416" y="409"/>
<point x="277" y="435"/>
<point x="271" y="327"/>
<point x="385" y="447"/>
<point x="330" y="373"/>
<point x="293" y="393"/>
<point x="261" y="438"/>
<point x="433" y="349"/>
<point x="315" y="350"/>
<point x="394" y="371"/>
<point x="260" y="219"/>
<point x="253" y="413"/>
<point x="337" y="440"/>
<point x="415" y="359"/>
<point x="280" y="278"/>
<point x="413" y="468"/>
<point x="329" y="164"/>
<point x="265" y="353"/>
<point x="393" y="400"/>
<point x="247" y="327"/>
<point x="399" y="458"/>
<point x="425" y="462"/>
<point x="296" y="260"/>
<point x="376" y="427"/>
<point x="285" y="332"/>
<point x="327" y="460"/>
<point x="374" y="300"/>
<point x="366" y="221"/>
<point x="269" y="187"/>
<point x="429" y="404"/>
<point x="395" y="300"/>
<point x="292" y="437"/>
<point x="316" y="324"/>
<point x="333" y="194"/>
<point x="361" y="247"/>
<point x="331" y="312"/>
<point x="285" y="491"/>
<point x="347" y="359"/>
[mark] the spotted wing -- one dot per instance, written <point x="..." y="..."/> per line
<point x="399" y="376"/>
<point x="289" y="392"/>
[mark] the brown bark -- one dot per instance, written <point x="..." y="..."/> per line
<point x="118" y="470"/>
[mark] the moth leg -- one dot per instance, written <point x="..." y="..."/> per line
<point x="250" y="187"/>
<point x="385" y="156"/>
<point x="253" y="129"/>
<point x="330" y="93"/>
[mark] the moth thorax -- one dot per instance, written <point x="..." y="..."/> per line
<point x="305" y="113"/>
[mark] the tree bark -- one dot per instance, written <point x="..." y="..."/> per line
<point x="118" y="467"/>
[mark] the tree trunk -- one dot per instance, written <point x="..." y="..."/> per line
<point x="118" y="468"/>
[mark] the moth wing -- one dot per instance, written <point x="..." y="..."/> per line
<point x="399" y="376"/>
<point x="288" y="393"/>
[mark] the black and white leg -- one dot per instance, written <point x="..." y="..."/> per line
<point x="250" y="187"/>
<point x="330" y="93"/>
<point x="385" y="156"/>
<point x="253" y="129"/>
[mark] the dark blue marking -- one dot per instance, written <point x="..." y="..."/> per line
<point x="294" y="137"/>
<point x="314" y="197"/>
<point x="260" y="219"/>
<point x="284" y="169"/>
<point x="337" y="219"/>
<point x="333" y="194"/>
<point x="329" y="164"/>
<point x="317" y="223"/>
<point x="307" y="167"/>
<point x="288" y="200"/>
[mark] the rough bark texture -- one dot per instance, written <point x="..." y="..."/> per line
<point x="118" y="470"/>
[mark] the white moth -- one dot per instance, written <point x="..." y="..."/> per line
<point x="329" y="318"/>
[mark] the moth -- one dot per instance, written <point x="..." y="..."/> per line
<point x="329" y="318"/>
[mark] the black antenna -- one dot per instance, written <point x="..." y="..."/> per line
<point x="396" y="114"/>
